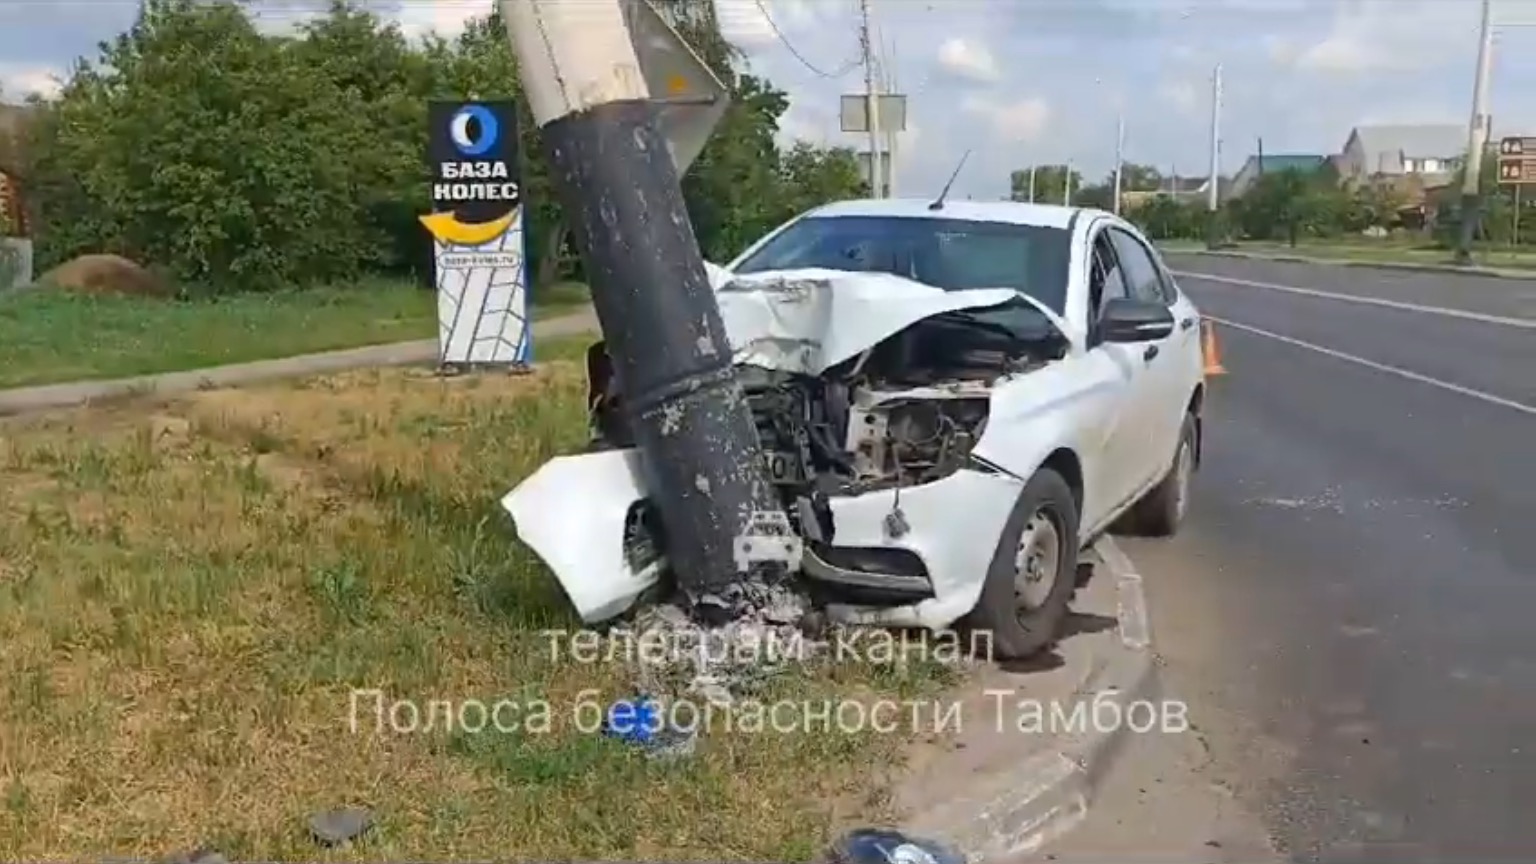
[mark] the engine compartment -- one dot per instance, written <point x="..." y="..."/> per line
<point x="905" y="412"/>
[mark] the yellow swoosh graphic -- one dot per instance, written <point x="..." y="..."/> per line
<point x="447" y="228"/>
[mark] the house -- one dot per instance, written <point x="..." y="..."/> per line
<point x="1431" y="153"/>
<point x="1183" y="189"/>
<point x="1256" y="166"/>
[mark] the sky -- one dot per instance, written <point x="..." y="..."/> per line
<point x="1020" y="82"/>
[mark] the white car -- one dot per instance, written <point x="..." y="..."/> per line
<point x="954" y="399"/>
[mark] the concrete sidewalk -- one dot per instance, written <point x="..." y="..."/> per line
<point x="52" y="396"/>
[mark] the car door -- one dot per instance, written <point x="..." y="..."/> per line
<point x="1163" y="389"/>
<point x="1117" y="476"/>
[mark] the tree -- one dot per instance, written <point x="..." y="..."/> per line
<point x="240" y="160"/>
<point x="1050" y="183"/>
<point x="1164" y="217"/>
<point x="1139" y="178"/>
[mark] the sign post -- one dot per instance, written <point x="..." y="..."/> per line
<point x="479" y="268"/>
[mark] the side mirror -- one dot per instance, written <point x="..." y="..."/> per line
<point x="1128" y="320"/>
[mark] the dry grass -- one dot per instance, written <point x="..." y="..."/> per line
<point x="189" y="592"/>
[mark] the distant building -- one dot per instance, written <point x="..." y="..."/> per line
<point x="1431" y="153"/>
<point x="1256" y="166"/>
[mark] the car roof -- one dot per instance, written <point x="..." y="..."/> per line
<point x="1012" y="212"/>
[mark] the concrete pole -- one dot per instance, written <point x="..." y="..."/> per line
<point x="1119" y="158"/>
<point x="871" y="102"/>
<point x="1031" y="184"/>
<point x="1066" y="186"/>
<point x="617" y="184"/>
<point x="1213" y="192"/>
<point x="1477" y="138"/>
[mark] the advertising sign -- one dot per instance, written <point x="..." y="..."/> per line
<point x="479" y="267"/>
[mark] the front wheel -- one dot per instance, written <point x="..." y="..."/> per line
<point x="1034" y="570"/>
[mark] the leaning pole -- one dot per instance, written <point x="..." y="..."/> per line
<point x="615" y="178"/>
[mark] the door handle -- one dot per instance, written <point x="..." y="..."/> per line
<point x="1148" y="354"/>
<point x="1186" y="323"/>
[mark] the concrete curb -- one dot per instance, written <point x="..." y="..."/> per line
<point x="1048" y="794"/>
<point x="47" y="397"/>
<point x="1485" y="272"/>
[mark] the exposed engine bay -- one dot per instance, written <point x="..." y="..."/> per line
<point x="903" y="413"/>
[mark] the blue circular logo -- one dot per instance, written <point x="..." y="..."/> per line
<point x="486" y="134"/>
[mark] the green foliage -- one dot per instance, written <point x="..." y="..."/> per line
<point x="241" y="160"/>
<point x="1049" y="183"/>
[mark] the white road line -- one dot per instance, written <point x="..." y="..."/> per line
<point x="1382" y="367"/>
<point x="1524" y="323"/>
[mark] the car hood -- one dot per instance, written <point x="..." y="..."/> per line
<point x="806" y="321"/>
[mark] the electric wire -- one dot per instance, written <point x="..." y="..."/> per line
<point x="839" y="72"/>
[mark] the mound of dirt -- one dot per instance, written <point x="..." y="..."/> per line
<point x="106" y="274"/>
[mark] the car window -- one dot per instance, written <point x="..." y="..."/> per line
<point x="1141" y="272"/>
<point x="1105" y="281"/>
<point x="952" y="254"/>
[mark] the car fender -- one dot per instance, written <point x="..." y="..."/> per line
<point x="1071" y="404"/>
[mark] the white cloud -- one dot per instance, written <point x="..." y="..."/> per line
<point x="446" y="19"/>
<point x="1379" y="36"/>
<point x="1184" y="96"/>
<point x="17" y="82"/>
<point x="1023" y="120"/>
<point x="969" y="60"/>
<point x="752" y="24"/>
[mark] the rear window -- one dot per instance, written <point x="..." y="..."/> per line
<point x="952" y="254"/>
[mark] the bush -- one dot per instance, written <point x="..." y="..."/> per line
<point x="243" y="161"/>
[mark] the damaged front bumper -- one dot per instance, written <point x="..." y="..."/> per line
<point x="926" y="549"/>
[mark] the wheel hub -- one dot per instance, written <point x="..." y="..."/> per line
<point x="1036" y="561"/>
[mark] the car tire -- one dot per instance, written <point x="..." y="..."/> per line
<point x="1022" y="613"/>
<point x="1161" y="511"/>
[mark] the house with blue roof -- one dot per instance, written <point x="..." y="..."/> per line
<point x="1256" y="166"/>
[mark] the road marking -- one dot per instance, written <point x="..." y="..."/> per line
<point x="1382" y="367"/>
<point x="1525" y="323"/>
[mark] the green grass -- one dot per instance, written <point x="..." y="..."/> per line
<point x="48" y="336"/>
<point x="1382" y="252"/>
<point x="181" y="674"/>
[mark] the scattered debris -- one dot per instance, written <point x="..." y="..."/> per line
<point x="717" y="662"/>
<point x="335" y="827"/>
<point x="887" y="846"/>
<point x="635" y="721"/>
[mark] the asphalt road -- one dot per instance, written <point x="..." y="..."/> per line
<point x="1349" y="611"/>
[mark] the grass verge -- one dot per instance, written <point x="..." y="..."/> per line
<point x="48" y="337"/>
<point x="1386" y="253"/>
<point x="191" y="591"/>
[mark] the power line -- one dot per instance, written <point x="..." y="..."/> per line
<point x="772" y="25"/>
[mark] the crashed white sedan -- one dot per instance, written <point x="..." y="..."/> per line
<point x="954" y="399"/>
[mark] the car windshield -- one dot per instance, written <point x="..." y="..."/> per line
<point x="952" y="254"/>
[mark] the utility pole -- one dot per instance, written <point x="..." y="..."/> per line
<point x="1119" y="157"/>
<point x="1066" y="185"/>
<point x="616" y="181"/>
<point x="1477" y="138"/>
<point x="1213" y="197"/>
<point x="871" y="102"/>
<point x="1031" y="184"/>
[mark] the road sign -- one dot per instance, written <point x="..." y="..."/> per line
<point x="1520" y="169"/>
<point x="891" y="108"/>
<point x="1517" y="160"/>
<point x="1517" y="146"/>
<point x="689" y="97"/>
